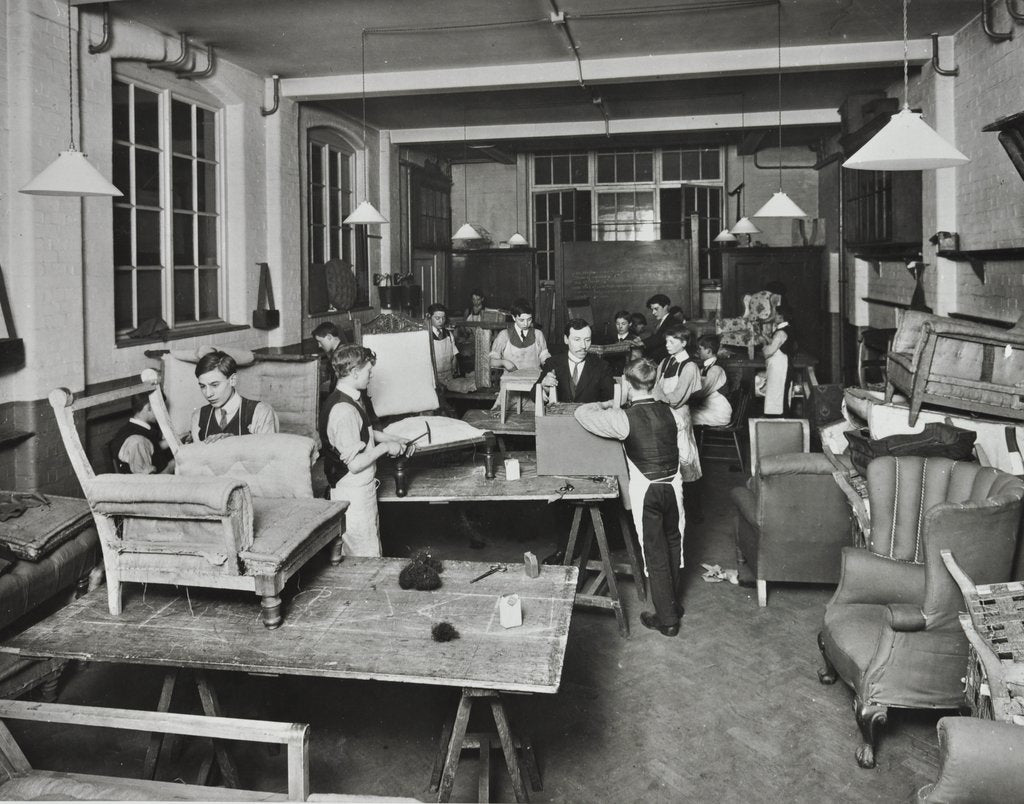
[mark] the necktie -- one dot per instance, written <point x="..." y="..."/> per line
<point x="222" y="418"/>
<point x="575" y="377"/>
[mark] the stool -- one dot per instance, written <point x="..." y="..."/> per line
<point x="522" y="380"/>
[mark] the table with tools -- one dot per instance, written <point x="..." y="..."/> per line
<point x="353" y="621"/>
<point x="469" y="483"/>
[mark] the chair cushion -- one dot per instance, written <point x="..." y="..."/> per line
<point x="851" y="636"/>
<point x="270" y="464"/>
<point x="282" y="526"/>
<point x="43" y="528"/>
<point x="441" y="431"/>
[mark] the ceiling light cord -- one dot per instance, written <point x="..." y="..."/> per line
<point x="778" y="17"/>
<point x="71" y="89"/>
<point x="906" y="58"/>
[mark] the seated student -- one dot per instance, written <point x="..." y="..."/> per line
<point x="446" y="353"/>
<point x="709" y="406"/>
<point x="521" y="345"/>
<point x="328" y="338"/>
<point x="137" y="447"/>
<point x="578" y="376"/>
<point x="648" y="432"/>
<point x="227" y="412"/>
<point x="351" y="448"/>
<point x="477" y="306"/>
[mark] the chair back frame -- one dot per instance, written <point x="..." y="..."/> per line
<point x="752" y="427"/>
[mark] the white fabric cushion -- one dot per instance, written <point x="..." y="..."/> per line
<point x="442" y="430"/>
<point x="403" y="377"/>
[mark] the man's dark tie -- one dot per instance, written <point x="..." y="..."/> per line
<point x="574" y="378"/>
<point x="222" y="418"/>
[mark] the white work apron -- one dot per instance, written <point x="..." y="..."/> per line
<point x="444" y="352"/>
<point x="776" y="369"/>
<point x="689" y="458"/>
<point x="638" y="485"/>
<point x="362" y="520"/>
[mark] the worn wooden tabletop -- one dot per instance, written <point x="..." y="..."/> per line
<point x="515" y="423"/>
<point x="350" y="621"/>
<point x="468" y="483"/>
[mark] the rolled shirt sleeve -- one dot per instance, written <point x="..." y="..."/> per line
<point x="264" y="419"/>
<point x="601" y="421"/>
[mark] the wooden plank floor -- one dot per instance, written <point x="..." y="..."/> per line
<point x="728" y="711"/>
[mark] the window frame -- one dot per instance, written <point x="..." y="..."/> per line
<point x="166" y="94"/>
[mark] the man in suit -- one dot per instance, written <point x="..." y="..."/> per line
<point x="578" y="376"/>
<point x="654" y="344"/>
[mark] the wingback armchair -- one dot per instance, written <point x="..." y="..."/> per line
<point x="891" y="631"/>
<point x="239" y="513"/>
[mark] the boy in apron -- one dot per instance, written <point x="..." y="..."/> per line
<point x="351" y="448"/>
<point x="776" y="362"/>
<point x="709" y="406"/>
<point x="678" y="379"/>
<point x="227" y="412"/>
<point x="647" y="429"/>
<point x="446" y="353"/>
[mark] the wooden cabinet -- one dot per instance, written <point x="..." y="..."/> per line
<point x="803" y="272"/>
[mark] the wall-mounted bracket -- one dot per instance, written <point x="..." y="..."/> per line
<point x="175" y="64"/>
<point x="978" y="257"/>
<point x="1011" y="9"/>
<point x="986" y="24"/>
<point x="277" y="97"/>
<point x="954" y="70"/>
<point x="108" y="34"/>
<point x="211" y="66"/>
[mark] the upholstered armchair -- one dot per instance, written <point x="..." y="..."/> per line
<point x="792" y="522"/>
<point x="238" y="514"/>
<point x="891" y="631"/>
<point x="979" y="763"/>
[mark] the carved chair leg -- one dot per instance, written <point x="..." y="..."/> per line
<point x="890" y="389"/>
<point x="826" y="674"/>
<point x="113" y="593"/>
<point x="271" y="610"/>
<point x="337" y="556"/>
<point x="870" y="718"/>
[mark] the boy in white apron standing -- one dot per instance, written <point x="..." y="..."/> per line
<point x="647" y="429"/>
<point x="351" y="448"/>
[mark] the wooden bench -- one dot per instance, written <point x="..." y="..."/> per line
<point x="20" y="781"/>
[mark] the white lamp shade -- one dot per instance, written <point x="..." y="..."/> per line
<point x="745" y="226"/>
<point x="70" y="174"/>
<point x="780" y="205"/>
<point x="517" y="240"/>
<point x="725" y="236"/>
<point x="906" y="143"/>
<point x="365" y="213"/>
<point x="466" y="232"/>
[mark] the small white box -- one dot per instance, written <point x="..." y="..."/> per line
<point x="511" y="468"/>
<point x="510" y="611"/>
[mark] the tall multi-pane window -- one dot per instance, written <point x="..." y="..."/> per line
<point x="329" y="200"/>
<point x="629" y="194"/>
<point x="167" y="227"/>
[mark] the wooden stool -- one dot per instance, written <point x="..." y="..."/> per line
<point x="522" y="380"/>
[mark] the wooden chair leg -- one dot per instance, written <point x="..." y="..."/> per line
<point x="762" y="593"/>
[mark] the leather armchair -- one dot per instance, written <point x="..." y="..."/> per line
<point x="891" y="630"/>
<point x="979" y="763"/>
<point x="792" y="521"/>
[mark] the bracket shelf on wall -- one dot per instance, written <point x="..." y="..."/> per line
<point x="979" y="257"/>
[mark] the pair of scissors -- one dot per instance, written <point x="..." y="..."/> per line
<point x="494" y="568"/>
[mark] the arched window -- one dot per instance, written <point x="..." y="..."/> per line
<point x="330" y="166"/>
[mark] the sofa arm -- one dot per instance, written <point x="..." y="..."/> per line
<point x="166" y="496"/>
<point x="979" y="762"/>
<point x="980" y="333"/>
<point x="905" y="617"/>
<point x="869" y="578"/>
<point x="795" y="463"/>
<point x="909" y="333"/>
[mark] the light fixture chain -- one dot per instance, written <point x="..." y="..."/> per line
<point x="366" y="145"/>
<point x="906" y="58"/>
<point x="71" y="89"/>
<point x="778" y="17"/>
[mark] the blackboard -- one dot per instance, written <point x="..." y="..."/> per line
<point x="503" y="275"/>
<point x="624" y="275"/>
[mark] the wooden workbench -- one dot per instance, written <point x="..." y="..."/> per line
<point x="348" y="622"/>
<point x="467" y="483"/>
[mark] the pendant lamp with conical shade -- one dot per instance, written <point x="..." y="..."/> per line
<point x="365" y="213"/>
<point x="780" y="205"/>
<point x="517" y="239"/>
<point x="466" y="231"/>
<point x="906" y="142"/>
<point x="725" y="236"/>
<point x="745" y="226"/>
<point x="71" y="174"/>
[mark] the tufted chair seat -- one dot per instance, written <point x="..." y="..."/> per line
<point x="891" y="631"/>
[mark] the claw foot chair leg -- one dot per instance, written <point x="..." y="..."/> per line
<point x="826" y="674"/>
<point x="870" y="718"/>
